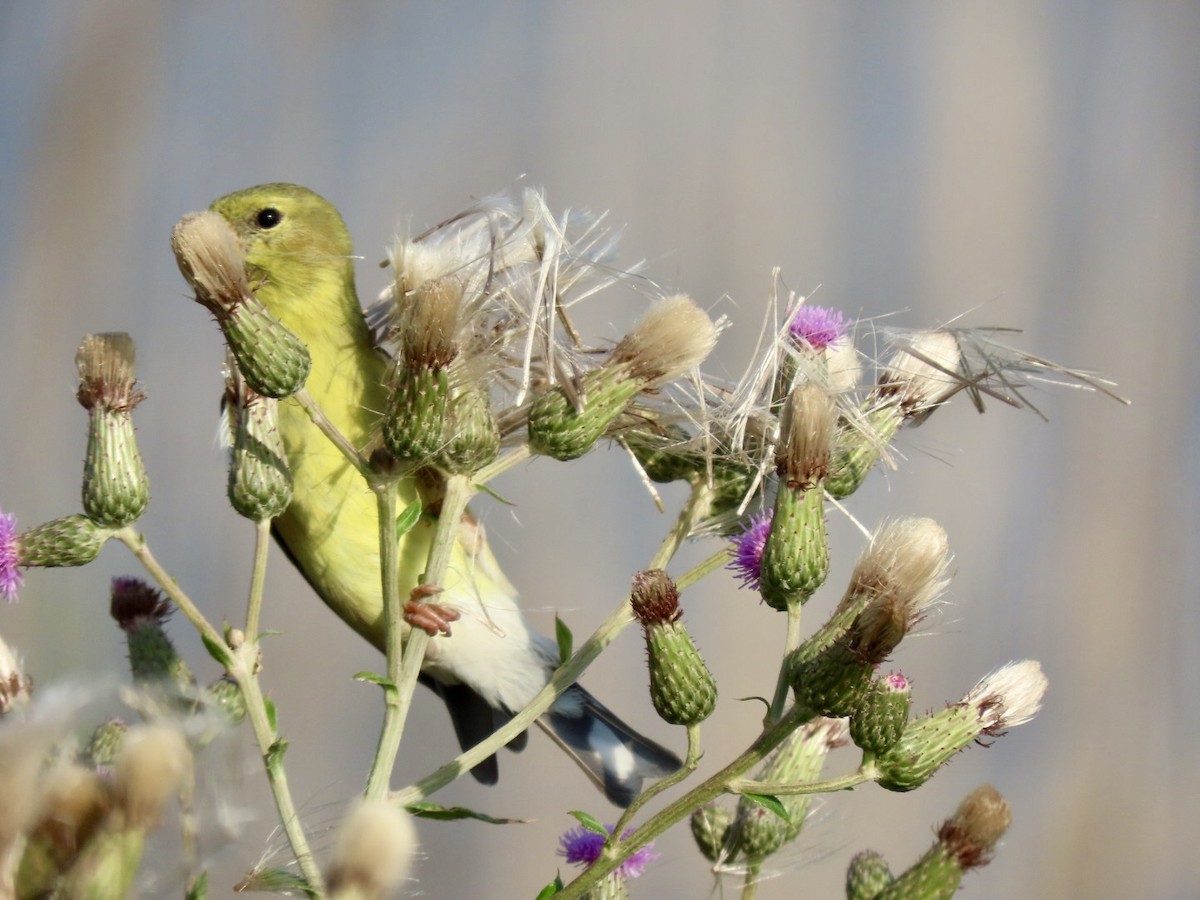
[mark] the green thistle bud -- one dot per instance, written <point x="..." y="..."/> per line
<point x="427" y="331"/>
<point x="681" y="687"/>
<point x="664" y="454"/>
<point x="105" y="743"/>
<point x="672" y="337"/>
<point x="879" y="721"/>
<point x="1010" y="696"/>
<point x="69" y="541"/>
<point x="416" y="415"/>
<point x="833" y="683"/>
<point x="106" y="866"/>
<point x="115" y="488"/>
<point x="710" y="827"/>
<point x="472" y="434"/>
<point x="795" y="559"/>
<point x="796" y="556"/>
<point x="274" y="362"/>
<point x="226" y="696"/>
<point x="760" y="832"/>
<point x="260" y="481"/>
<point x="858" y="446"/>
<point x="142" y="611"/>
<point x="867" y="875"/>
<point x="565" y="430"/>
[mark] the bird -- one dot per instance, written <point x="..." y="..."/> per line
<point x="298" y="251"/>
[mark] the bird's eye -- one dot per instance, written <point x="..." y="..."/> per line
<point x="269" y="217"/>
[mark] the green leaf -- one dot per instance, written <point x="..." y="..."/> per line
<point x="770" y="802"/>
<point x="427" y="810"/>
<point x="273" y="881"/>
<point x="484" y="489"/>
<point x="591" y="823"/>
<point x="566" y="640"/>
<point x="375" y="678"/>
<point x="275" y="753"/>
<point x="217" y="651"/>
<point x="551" y="889"/>
<point x="270" y="707"/>
<point x="408" y="518"/>
<point x="763" y="700"/>
<point x="199" y="888"/>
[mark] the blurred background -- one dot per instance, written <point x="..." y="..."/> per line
<point x="1026" y="164"/>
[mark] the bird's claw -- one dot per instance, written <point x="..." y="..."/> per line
<point x="432" y="618"/>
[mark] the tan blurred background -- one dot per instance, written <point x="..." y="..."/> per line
<point x="1033" y="163"/>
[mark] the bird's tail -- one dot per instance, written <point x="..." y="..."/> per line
<point x="614" y="756"/>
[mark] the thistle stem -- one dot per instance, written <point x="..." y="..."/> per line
<point x="258" y="577"/>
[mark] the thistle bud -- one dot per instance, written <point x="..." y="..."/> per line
<point x="427" y="333"/>
<point x="964" y="841"/>
<point x="115" y="488"/>
<point x="260" y="481"/>
<point x="15" y="686"/>
<point x="859" y="445"/>
<point x="923" y="373"/>
<point x="796" y="556"/>
<point x="681" y="687"/>
<point x="105" y="743"/>
<point x="710" y="827"/>
<point x="11" y="578"/>
<point x="898" y="576"/>
<point x="759" y="832"/>
<point x="472" y="435"/>
<point x="879" y="721"/>
<point x="674" y="336"/>
<point x="374" y="853"/>
<point x="74" y="801"/>
<point x="141" y="612"/>
<point x="69" y="541"/>
<point x="226" y="696"/>
<point x="153" y="765"/>
<point x="1008" y="697"/>
<point x="819" y="350"/>
<point x="274" y="361"/>
<point x="867" y="875"/>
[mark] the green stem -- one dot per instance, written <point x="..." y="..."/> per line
<point x="339" y="440"/>
<point x="750" y="880"/>
<point x="241" y="663"/>
<point x="258" y="577"/>
<point x="865" y="772"/>
<point x="689" y="765"/>
<point x="783" y="683"/>
<point x="706" y="792"/>
<point x="404" y="663"/>
<point x="567" y="673"/>
<point x="140" y="549"/>
<point x="272" y="748"/>
<point x="502" y="464"/>
<point x="698" y="571"/>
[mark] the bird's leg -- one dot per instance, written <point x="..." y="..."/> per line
<point x="431" y="618"/>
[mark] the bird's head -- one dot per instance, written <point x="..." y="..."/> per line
<point x="293" y="238"/>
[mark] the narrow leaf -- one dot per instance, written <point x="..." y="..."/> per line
<point x="566" y="640"/>
<point x="770" y="802"/>
<point x="591" y="823"/>
<point x="551" y="889"/>
<point x="408" y="518"/>
<point x="427" y="810"/>
<point x="217" y="651"/>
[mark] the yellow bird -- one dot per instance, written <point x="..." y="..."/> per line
<point x="298" y="249"/>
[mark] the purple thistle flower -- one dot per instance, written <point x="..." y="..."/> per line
<point x="10" y="555"/>
<point x="748" y="547"/>
<point x="582" y="848"/>
<point x="817" y="326"/>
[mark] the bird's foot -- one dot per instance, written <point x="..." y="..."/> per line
<point x="431" y="618"/>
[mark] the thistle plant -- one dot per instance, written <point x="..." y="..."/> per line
<point x="393" y="419"/>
